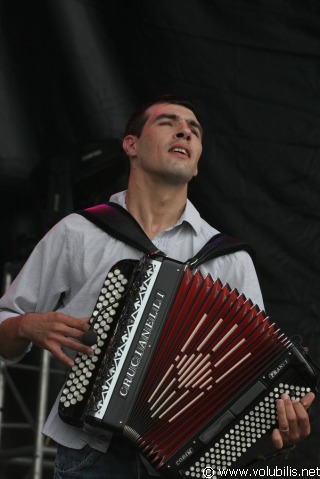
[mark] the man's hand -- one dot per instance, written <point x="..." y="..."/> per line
<point x="52" y="331"/>
<point x="293" y="417"/>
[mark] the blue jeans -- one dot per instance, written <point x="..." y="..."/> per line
<point x="121" y="461"/>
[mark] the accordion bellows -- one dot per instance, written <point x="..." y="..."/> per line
<point x="185" y="367"/>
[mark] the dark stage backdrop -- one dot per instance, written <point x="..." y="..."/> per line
<point x="72" y="70"/>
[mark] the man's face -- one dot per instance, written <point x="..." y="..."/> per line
<point x="170" y="144"/>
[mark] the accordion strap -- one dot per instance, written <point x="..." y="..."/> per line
<point x="119" y="223"/>
<point x="219" y="245"/>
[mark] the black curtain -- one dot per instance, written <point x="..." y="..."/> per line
<point x="71" y="72"/>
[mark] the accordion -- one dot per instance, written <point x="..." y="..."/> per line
<point x="184" y="366"/>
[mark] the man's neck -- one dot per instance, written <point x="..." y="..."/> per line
<point x="157" y="210"/>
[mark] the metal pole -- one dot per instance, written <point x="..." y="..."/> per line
<point x="2" y="391"/>
<point x="7" y="279"/>
<point x="42" y="411"/>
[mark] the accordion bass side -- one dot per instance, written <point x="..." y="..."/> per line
<point x="188" y="369"/>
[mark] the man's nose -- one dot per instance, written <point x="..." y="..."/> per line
<point x="184" y="133"/>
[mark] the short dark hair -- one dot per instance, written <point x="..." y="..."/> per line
<point x="139" y="117"/>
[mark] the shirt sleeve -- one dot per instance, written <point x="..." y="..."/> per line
<point x="42" y="281"/>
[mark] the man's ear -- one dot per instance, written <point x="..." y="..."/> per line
<point x="129" y="145"/>
<point x="195" y="173"/>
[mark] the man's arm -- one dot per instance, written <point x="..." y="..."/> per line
<point x="28" y="308"/>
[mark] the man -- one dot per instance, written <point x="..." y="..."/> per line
<point x="50" y="301"/>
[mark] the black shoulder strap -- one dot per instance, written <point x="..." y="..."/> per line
<point x="219" y="245"/>
<point x="120" y="224"/>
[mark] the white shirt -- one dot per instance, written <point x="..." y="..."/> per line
<point x="67" y="268"/>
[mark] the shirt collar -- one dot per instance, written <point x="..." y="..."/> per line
<point x="190" y="214"/>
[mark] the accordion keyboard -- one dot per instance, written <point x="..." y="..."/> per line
<point x="237" y="442"/>
<point x="81" y="377"/>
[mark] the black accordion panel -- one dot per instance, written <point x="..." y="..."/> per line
<point x="188" y="369"/>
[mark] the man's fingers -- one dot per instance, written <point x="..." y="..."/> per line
<point x="67" y="326"/>
<point x="277" y="439"/>
<point x="302" y="419"/>
<point x="56" y="348"/>
<point x="307" y="400"/>
<point x="63" y="357"/>
<point x="80" y="324"/>
<point x="293" y="418"/>
<point x="286" y="413"/>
